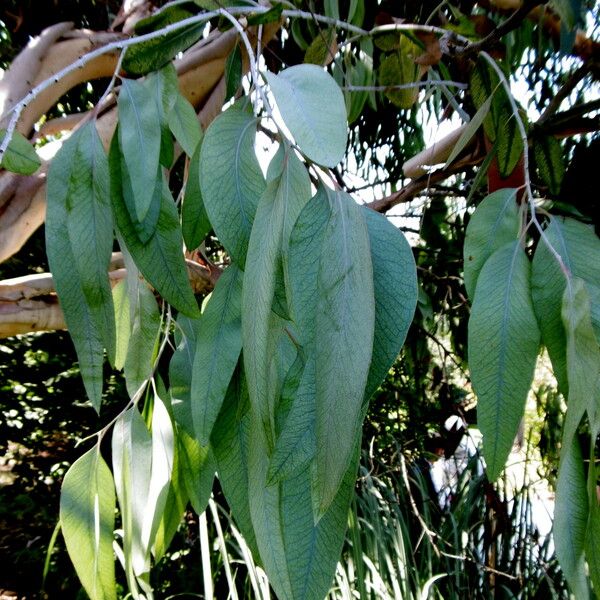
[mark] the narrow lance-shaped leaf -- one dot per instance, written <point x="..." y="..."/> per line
<point x="87" y="516"/>
<point x="503" y="347"/>
<point x="184" y="124"/>
<point x="579" y="249"/>
<point x="139" y="140"/>
<point x="494" y="223"/>
<point x="218" y="347"/>
<point x="345" y="314"/>
<point x="319" y="128"/>
<point x="279" y="205"/>
<point x="195" y="223"/>
<point x="90" y="227"/>
<point x="196" y="462"/>
<point x="61" y="257"/>
<point x="231" y="179"/>
<point x="161" y="259"/>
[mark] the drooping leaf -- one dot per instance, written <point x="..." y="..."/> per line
<point x="277" y="211"/>
<point x="123" y="323"/>
<point x="87" y="516"/>
<point x="231" y="179"/>
<point x="571" y="517"/>
<point x="400" y="68"/>
<point x="345" y="313"/>
<point x="509" y="143"/>
<point x="90" y="228"/>
<point x="323" y="48"/>
<point x="495" y="223"/>
<point x="195" y="223"/>
<point x="592" y="551"/>
<point x="218" y="346"/>
<point x="233" y="72"/>
<point x="19" y="156"/>
<point x="318" y="127"/>
<point x="184" y="124"/>
<point x="132" y="467"/>
<point x="503" y="347"/>
<point x="61" y="256"/>
<point x="143" y="341"/>
<point x="161" y="259"/>
<point x="579" y="249"/>
<point x="139" y="136"/>
<point x="196" y="462"/>
<point x="229" y="440"/>
<point x="154" y="54"/>
<point x="549" y="161"/>
<point x="395" y="288"/>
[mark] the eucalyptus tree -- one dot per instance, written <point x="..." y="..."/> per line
<point x="314" y="292"/>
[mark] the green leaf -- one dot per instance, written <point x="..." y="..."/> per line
<point x="396" y="291"/>
<point x="399" y="68"/>
<point x="218" y="346"/>
<point x="299" y="556"/>
<point x="123" y="323"/>
<point x="184" y="124"/>
<point x="230" y="437"/>
<point x="345" y="313"/>
<point x="503" y="347"/>
<point x="139" y="136"/>
<point x="319" y="128"/>
<point x="494" y="223"/>
<point x="61" y="258"/>
<point x="161" y="259"/>
<point x="233" y="72"/>
<point x="195" y="223"/>
<point x="323" y="48"/>
<point x="277" y="211"/>
<point x="592" y="551"/>
<point x="143" y="341"/>
<point x="20" y="156"/>
<point x="549" y="161"/>
<point x="579" y="248"/>
<point x="571" y="517"/>
<point x="154" y="54"/>
<point x="509" y="143"/>
<point x="196" y="462"/>
<point x="470" y="130"/>
<point x="270" y="16"/>
<point x="87" y="516"/>
<point x="231" y="179"/>
<point x="90" y="228"/>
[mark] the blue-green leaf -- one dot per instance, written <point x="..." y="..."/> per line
<point x="20" y="156"/>
<point x="319" y="127"/>
<point x="231" y="179"/>
<point x="139" y="140"/>
<point x="494" y="223"/>
<point x="345" y="313"/>
<point x="218" y="346"/>
<point x="87" y="516"/>
<point x="184" y="124"/>
<point x="161" y="259"/>
<point x="503" y="347"/>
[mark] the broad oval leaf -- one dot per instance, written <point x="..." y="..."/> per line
<point x="19" y="156"/>
<point x="503" y="348"/>
<point x="231" y="179"/>
<point x="319" y="128"/>
<point x="87" y="517"/>
<point x="161" y="259"/>
<point x="494" y="223"/>
<point x="396" y="291"/>
<point x="218" y="346"/>
<point x="579" y="249"/>
<point x="139" y="139"/>
<point x="345" y="314"/>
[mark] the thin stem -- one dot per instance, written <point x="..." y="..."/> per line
<point x="403" y="86"/>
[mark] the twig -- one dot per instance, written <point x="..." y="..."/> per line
<point x="403" y="86"/>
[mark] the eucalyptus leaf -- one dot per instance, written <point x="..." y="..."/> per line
<point x="19" y="156"/>
<point x="319" y="128"/>
<point x="503" y="348"/>
<point x="231" y="179"/>
<point x="494" y="223"/>
<point x="218" y="346"/>
<point x="345" y="313"/>
<point x="87" y="516"/>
